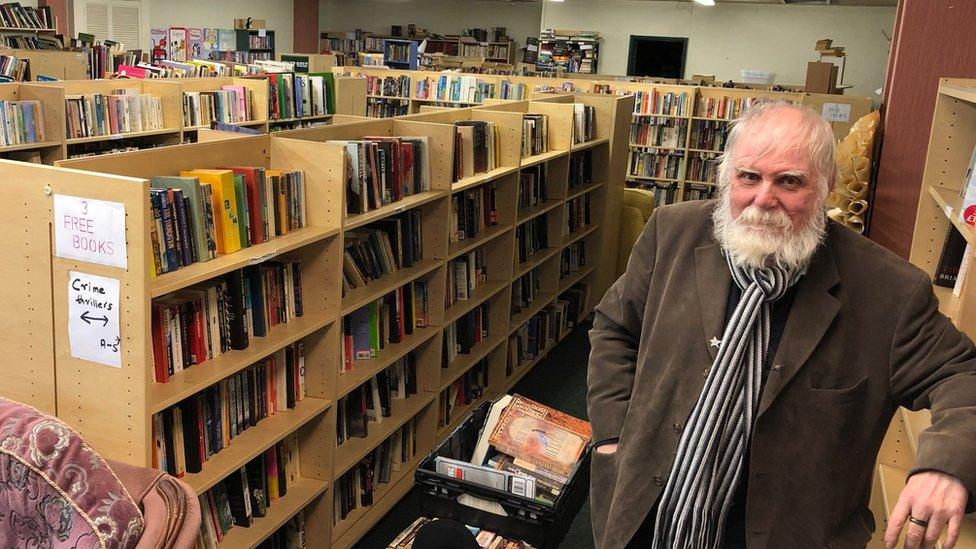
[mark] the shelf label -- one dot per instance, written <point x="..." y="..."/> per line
<point x="93" y="318"/>
<point x="90" y="230"/>
<point x="836" y="112"/>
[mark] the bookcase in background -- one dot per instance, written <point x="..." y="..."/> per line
<point x="259" y="43"/>
<point x="257" y="100"/>
<point x="47" y="145"/>
<point x="400" y="54"/>
<point x="950" y="153"/>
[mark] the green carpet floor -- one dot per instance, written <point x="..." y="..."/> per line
<point x="559" y="381"/>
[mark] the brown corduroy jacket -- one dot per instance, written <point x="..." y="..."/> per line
<point x="863" y="337"/>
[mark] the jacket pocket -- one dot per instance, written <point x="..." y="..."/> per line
<point x="603" y="480"/>
<point x="839" y="395"/>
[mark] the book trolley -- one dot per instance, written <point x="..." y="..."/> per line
<point x="113" y="408"/>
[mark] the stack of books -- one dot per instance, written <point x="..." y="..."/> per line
<point x="464" y="333"/>
<point x="486" y="539"/>
<point x="465" y="274"/>
<point x="709" y="135"/>
<point x="580" y="168"/>
<point x="657" y="131"/>
<point x="388" y="86"/>
<point x="577" y="214"/>
<point x="473" y="210"/>
<point x="475" y="148"/>
<point x="15" y="16"/>
<point x="383" y="322"/>
<point x="662" y="164"/>
<point x="584" y="123"/>
<point x="510" y="90"/>
<point x="230" y="104"/>
<point x="381" y="248"/>
<point x="296" y="95"/>
<point x="656" y="102"/>
<point x="525" y="290"/>
<point x="455" y="89"/>
<point x="532" y="236"/>
<point x="573" y="258"/>
<point x="383" y="170"/>
<point x="535" y="134"/>
<point x="532" y="186"/>
<point x="537" y="334"/>
<point x="14" y="69"/>
<point x="123" y="111"/>
<point x="21" y="122"/>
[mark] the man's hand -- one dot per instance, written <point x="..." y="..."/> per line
<point x="933" y="497"/>
<point x="607" y="448"/>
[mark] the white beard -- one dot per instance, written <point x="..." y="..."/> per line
<point x="760" y="238"/>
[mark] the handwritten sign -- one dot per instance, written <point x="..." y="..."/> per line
<point x="93" y="318"/>
<point x="836" y="112"/>
<point x="90" y="230"/>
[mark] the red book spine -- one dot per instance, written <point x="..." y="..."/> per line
<point x="160" y="356"/>
<point x="199" y="337"/>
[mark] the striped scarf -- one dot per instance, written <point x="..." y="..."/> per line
<point x="708" y="463"/>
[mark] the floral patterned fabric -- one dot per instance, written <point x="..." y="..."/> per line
<point x="55" y="491"/>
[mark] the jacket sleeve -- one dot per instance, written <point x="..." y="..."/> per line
<point x="933" y="365"/>
<point x="615" y="336"/>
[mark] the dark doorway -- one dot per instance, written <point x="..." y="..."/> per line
<point x="660" y="56"/>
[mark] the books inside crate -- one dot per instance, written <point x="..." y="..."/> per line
<point x="248" y="493"/>
<point x="229" y="104"/>
<point x="121" y="111"/>
<point x="205" y="213"/>
<point x="462" y="392"/>
<point x="383" y="322"/>
<point x="465" y="274"/>
<point x="372" y="401"/>
<point x="485" y="538"/>
<point x="535" y="134"/>
<point x="472" y="211"/>
<point x="464" y="333"/>
<point x="192" y="326"/>
<point x="476" y="148"/>
<point x="22" y="122"/>
<point x="187" y="435"/>
<point x="381" y="248"/>
<point x="357" y="487"/>
<point x="383" y="170"/>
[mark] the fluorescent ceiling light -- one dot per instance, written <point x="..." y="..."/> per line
<point x="706" y="2"/>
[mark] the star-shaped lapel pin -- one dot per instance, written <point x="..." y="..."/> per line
<point x="715" y="342"/>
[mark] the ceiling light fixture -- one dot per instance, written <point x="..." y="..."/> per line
<point x="706" y="2"/>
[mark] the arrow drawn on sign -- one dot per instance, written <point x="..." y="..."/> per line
<point x="89" y="319"/>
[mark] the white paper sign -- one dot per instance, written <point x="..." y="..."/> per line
<point x="262" y="33"/>
<point x="837" y="112"/>
<point x="93" y="318"/>
<point x="90" y="230"/>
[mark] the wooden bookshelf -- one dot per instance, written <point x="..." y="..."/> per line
<point x="51" y="148"/>
<point x="950" y="148"/>
<point x="258" y="89"/>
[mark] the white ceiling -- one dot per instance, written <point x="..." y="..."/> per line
<point x="885" y="3"/>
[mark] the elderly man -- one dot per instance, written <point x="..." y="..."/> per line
<point x="745" y="367"/>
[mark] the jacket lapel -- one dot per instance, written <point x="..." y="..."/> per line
<point x="713" y="279"/>
<point x="811" y="315"/>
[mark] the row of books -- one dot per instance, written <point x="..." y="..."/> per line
<point x="293" y="535"/>
<point x="388" y="86"/>
<point x="535" y="134"/>
<point x="31" y="42"/>
<point x="397" y="52"/>
<point x="229" y="104"/>
<point x="703" y="167"/>
<point x="462" y="392"/>
<point x="383" y="322"/>
<point x="198" y="324"/>
<point x="383" y="170"/>
<point x="580" y="168"/>
<point x="458" y="89"/>
<point x="296" y="95"/>
<point x="476" y="147"/>
<point x="372" y="401"/>
<point x="355" y="488"/>
<point x="533" y="183"/>
<point x="381" y="248"/>
<point x="510" y="90"/>
<point x="525" y="290"/>
<point x="258" y="42"/>
<point x="22" y="122"/>
<point x="727" y="108"/>
<point x="709" y="135"/>
<point x="572" y="258"/>
<point x="473" y="210"/>
<point x="464" y="333"/>
<point x="543" y="329"/>
<point x="486" y="539"/>
<point x="695" y="191"/>
<point x="121" y="111"/>
<point x="657" y="102"/>
<point x="655" y="163"/>
<point x="243" y="56"/>
<point x="187" y="435"/>
<point x="248" y="493"/>
<point x="664" y="193"/>
<point x="377" y="107"/>
<point x="577" y="214"/>
<point x="656" y="131"/>
<point x="14" y="69"/>
<point x="531" y="237"/>
<point x="206" y="212"/>
<point x="465" y="274"/>
<point x="15" y="16"/>
<point x="584" y="122"/>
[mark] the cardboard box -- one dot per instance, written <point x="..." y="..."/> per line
<point x="821" y="77"/>
<point x="239" y="24"/>
<point x="823" y="44"/>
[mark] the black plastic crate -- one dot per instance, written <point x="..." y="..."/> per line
<point x="528" y="520"/>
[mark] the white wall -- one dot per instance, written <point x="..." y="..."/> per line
<point x="728" y="37"/>
<point x="521" y="19"/>
<point x="220" y="14"/>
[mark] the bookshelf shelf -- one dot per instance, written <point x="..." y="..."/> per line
<point x="579" y="235"/>
<point x="358" y="220"/>
<point x="299" y="495"/>
<point x="590" y="144"/>
<point x="431" y="100"/>
<point x="463" y="363"/>
<point x="114" y="136"/>
<point x="369" y="96"/>
<point x="540" y="158"/>
<point x="656" y="147"/>
<point x="29" y="146"/>
<point x="538" y="258"/>
<point x="949" y="203"/>
<point x="580" y="191"/>
<point x="648" y="178"/>
<point x="480" y="178"/>
<point x="962" y="92"/>
<point x="567" y="282"/>
<point x="362" y="370"/>
<point x="350" y="452"/>
<point x="537" y="210"/>
<point x="200" y="376"/>
<point x="712" y="118"/>
<point x="222" y="264"/>
<point x="299" y="118"/>
<point x="26" y="29"/>
<point x="359" y="297"/>
<point x="537" y="305"/>
<point x="709" y="183"/>
<point x="636" y="114"/>
<point x="479" y="296"/>
<point x="705" y="151"/>
<point x="948" y="302"/>
<point x="464" y="246"/>
<point x="247" y="445"/>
